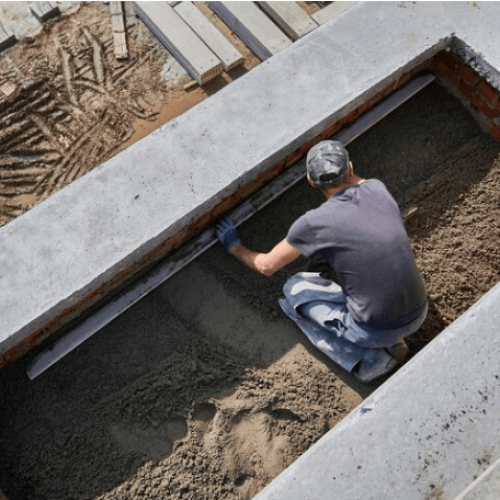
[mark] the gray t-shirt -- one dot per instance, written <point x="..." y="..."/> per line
<point x="360" y="232"/>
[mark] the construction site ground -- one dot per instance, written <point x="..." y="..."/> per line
<point x="204" y="389"/>
<point x="70" y="104"/>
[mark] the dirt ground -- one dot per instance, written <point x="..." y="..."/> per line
<point x="204" y="389"/>
<point x="67" y="104"/>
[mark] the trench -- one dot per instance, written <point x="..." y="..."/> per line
<point x="204" y="389"/>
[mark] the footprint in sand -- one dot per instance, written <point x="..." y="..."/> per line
<point x="253" y="453"/>
<point x="154" y="442"/>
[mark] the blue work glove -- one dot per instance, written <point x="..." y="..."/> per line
<point x="227" y="234"/>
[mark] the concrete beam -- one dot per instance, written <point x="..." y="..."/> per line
<point x="330" y="11"/>
<point x="7" y="38"/>
<point x="290" y="17"/>
<point x="44" y="11"/>
<point x="68" y="252"/>
<point x="180" y="40"/>
<point x="253" y="27"/>
<point x="215" y="40"/>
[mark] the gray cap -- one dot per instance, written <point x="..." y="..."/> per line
<point x="327" y="163"/>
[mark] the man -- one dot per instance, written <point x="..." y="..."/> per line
<point x="380" y="298"/>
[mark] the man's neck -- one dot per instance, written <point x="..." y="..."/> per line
<point x="353" y="180"/>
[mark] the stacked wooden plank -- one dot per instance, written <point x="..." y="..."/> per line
<point x="250" y="24"/>
<point x="6" y="37"/>
<point x="180" y="40"/>
<point x="214" y="39"/>
<point x="119" y="37"/>
<point x="44" y="11"/>
<point x="330" y="11"/>
<point x="292" y="20"/>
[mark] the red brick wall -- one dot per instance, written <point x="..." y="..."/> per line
<point x="473" y="90"/>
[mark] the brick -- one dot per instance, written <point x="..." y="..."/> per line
<point x="488" y="91"/>
<point x="490" y="112"/>
<point x="446" y="58"/>
<point x="330" y="130"/>
<point x="467" y="75"/>
<point x="440" y="67"/>
<point x="495" y="133"/>
<point x="348" y="119"/>
<point x="467" y="91"/>
<point x="477" y="102"/>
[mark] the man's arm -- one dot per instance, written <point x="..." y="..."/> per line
<point x="266" y="263"/>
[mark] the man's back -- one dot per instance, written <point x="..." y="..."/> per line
<point x="360" y="232"/>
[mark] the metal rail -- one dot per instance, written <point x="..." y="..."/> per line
<point x="208" y="238"/>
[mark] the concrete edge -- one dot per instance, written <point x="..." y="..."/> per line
<point x="485" y="487"/>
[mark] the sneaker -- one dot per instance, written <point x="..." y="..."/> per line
<point x="376" y="363"/>
<point x="399" y="350"/>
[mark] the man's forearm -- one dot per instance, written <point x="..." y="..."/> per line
<point x="266" y="263"/>
<point x="254" y="260"/>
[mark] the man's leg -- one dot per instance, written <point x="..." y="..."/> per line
<point x="318" y="308"/>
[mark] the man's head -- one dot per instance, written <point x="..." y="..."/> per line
<point x="327" y="164"/>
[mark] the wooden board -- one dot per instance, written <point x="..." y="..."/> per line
<point x="215" y="40"/>
<point x="250" y="24"/>
<point x="180" y="40"/>
<point x="119" y="36"/>
<point x="290" y="17"/>
<point x="115" y="8"/>
<point x="118" y="23"/>
<point x="44" y="10"/>
<point x="6" y="37"/>
<point x="330" y="11"/>
<point x="120" y="43"/>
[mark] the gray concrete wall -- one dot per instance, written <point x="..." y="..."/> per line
<point x="58" y="257"/>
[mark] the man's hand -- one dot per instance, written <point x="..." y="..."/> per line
<point x="227" y="234"/>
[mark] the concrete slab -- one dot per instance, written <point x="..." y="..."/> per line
<point x="19" y="14"/>
<point x="330" y="11"/>
<point x="69" y="251"/>
<point x="180" y="40"/>
<point x="44" y="11"/>
<point x="253" y="27"/>
<point x="6" y="37"/>
<point x="290" y="17"/>
<point x="415" y="437"/>
<point x="485" y="487"/>
<point x="214" y="39"/>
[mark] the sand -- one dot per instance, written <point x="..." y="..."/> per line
<point x="204" y="389"/>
